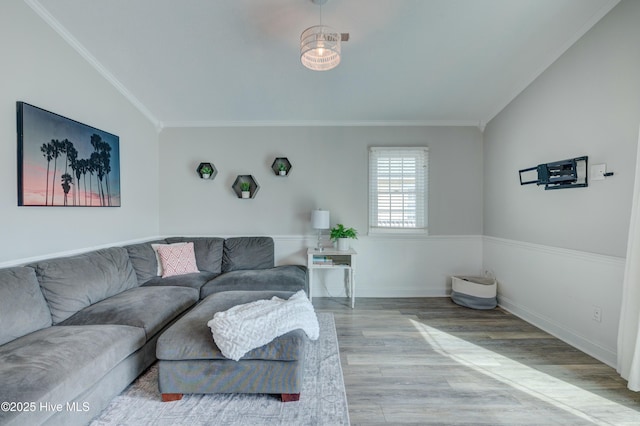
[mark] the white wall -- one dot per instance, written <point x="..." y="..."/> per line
<point x="330" y="171"/>
<point x="392" y="266"/>
<point x="558" y="289"/>
<point x="39" y="68"/>
<point x="587" y="103"/>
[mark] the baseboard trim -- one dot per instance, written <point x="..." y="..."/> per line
<point x="568" y="336"/>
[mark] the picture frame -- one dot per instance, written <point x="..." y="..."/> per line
<point x="65" y="163"/>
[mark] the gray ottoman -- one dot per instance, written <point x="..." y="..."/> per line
<point x="190" y="361"/>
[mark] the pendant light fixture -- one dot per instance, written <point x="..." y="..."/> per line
<point x="320" y="45"/>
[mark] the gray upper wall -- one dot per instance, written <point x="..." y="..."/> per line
<point x="330" y="171"/>
<point x="40" y="68"/>
<point x="586" y="103"/>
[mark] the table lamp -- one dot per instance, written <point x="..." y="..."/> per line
<point x="320" y="221"/>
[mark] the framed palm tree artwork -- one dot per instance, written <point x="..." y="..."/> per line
<point x="64" y="163"/>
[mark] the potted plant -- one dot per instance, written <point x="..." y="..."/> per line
<point x="245" y="188"/>
<point x="342" y="235"/>
<point x="282" y="169"/>
<point x="205" y="172"/>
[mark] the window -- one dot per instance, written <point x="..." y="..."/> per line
<point x="398" y="190"/>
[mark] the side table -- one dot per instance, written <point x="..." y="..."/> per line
<point x="333" y="259"/>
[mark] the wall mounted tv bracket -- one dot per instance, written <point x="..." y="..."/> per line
<point x="570" y="173"/>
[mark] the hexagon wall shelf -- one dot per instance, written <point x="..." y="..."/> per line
<point x="209" y="176"/>
<point x="253" y="185"/>
<point x="281" y="164"/>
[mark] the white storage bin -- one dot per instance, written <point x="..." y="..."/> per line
<point x="474" y="292"/>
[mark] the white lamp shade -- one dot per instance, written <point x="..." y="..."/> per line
<point x="320" y="219"/>
<point x="320" y="48"/>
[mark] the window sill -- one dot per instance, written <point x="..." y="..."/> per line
<point x="399" y="233"/>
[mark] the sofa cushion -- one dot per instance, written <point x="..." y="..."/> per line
<point x="70" y="284"/>
<point x="285" y="278"/>
<point x="208" y="251"/>
<point x="57" y="364"/>
<point x="190" y="338"/>
<point x="247" y="253"/>
<point x="189" y="280"/>
<point x="150" y="308"/>
<point x="144" y="261"/>
<point x="22" y="305"/>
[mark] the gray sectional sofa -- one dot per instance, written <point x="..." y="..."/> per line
<point x="77" y="330"/>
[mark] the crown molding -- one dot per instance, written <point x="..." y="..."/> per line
<point x="84" y="53"/>
<point x="322" y="123"/>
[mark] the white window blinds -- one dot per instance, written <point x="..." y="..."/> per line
<point x="398" y="189"/>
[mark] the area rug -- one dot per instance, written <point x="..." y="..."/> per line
<point x="323" y="399"/>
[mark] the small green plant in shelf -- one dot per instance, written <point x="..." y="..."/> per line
<point x="342" y="235"/>
<point x="245" y="188"/>
<point x="282" y="168"/>
<point x="206" y="171"/>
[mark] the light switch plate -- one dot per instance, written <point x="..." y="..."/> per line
<point x="598" y="171"/>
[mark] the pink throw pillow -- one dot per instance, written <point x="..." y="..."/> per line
<point x="177" y="259"/>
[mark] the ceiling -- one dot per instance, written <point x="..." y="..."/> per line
<point x="236" y="62"/>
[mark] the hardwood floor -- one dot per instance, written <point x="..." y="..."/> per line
<point x="430" y="361"/>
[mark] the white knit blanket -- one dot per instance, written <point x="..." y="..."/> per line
<point x="251" y="325"/>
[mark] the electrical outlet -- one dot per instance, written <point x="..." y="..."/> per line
<point x="597" y="314"/>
